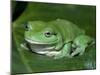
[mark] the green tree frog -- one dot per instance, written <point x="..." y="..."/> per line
<point x="57" y="39"/>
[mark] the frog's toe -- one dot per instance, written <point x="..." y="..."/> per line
<point x="52" y="54"/>
<point x="24" y="46"/>
<point x="82" y="52"/>
<point x="74" y="53"/>
<point x="58" y="57"/>
<point x="79" y="51"/>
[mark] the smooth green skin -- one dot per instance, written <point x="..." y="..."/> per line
<point x="64" y="36"/>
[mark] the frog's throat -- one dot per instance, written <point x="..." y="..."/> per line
<point x="41" y="48"/>
<point x="37" y="42"/>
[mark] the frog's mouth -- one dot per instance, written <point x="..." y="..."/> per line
<point x="38" y="42"/>
<point x="39" y="47"/>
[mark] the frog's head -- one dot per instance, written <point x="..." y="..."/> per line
<point x="41" y="33"/>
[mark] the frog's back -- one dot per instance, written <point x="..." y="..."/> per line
<point x="68" y="30"/>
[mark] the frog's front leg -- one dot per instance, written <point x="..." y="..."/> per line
<point x="24" y="46"/>
<point x="64" y="52"/>
<point x="81" y="43"/>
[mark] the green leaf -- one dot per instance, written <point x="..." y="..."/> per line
<point x="24" y="61"/>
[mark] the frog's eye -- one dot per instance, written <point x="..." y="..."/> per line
<point x="27" y="27"/>
<point x="48" y="34"/>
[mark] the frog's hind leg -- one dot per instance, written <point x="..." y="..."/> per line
<point x="81" y="43"/>
<point x="79" y="50"/>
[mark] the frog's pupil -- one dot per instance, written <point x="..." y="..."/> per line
<point x="47" y="34"/>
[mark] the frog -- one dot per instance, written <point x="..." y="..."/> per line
<point x="57" y="38"/>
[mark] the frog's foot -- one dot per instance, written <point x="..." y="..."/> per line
<point x="23" y="45"/>
<point x="81" y="43"/>
<point x="52" y="53"/>
<point x="79" y="50"/>
<point x="64" y="52"/>
<point x="57" y="55"/>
